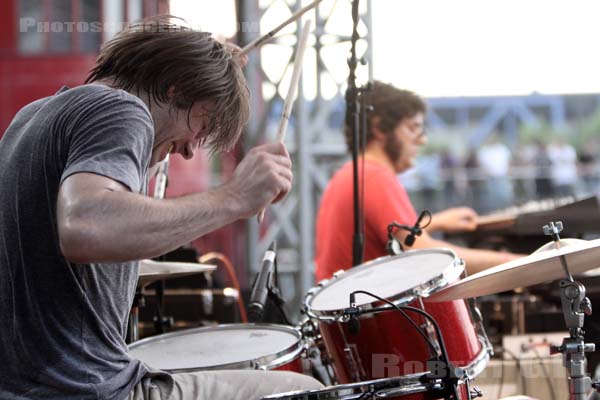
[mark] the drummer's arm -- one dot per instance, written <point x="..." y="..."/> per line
<point x="475" y="259"/>
<point x="100" y="220"/>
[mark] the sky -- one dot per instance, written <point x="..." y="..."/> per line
<point x="451" y="47"/>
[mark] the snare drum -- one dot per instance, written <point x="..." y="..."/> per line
<point x="389" y="388"/>
<point x="235" y="346"/>
<point x="386" y="344"/>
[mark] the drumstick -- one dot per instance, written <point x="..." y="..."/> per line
<point x="289" y="99"/>
<point x="266" y="37"/>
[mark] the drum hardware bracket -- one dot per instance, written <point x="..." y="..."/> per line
<point x="427" y="327"/>
<point x="575" y="306"/>
<point x="553" y="229"/>
<point x="350" y="354"/>
<point x="356" y="367"/>
<point x="475" y="392"/>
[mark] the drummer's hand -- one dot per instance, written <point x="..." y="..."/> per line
<point x="263" y="177"/>
<point x="458" y="219"/>
<point x="242" y="59"/>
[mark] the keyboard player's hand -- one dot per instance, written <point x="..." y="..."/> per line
<point x="458" y="219"/>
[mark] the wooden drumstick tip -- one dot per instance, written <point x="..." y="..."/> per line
<point x="256" y="43"/>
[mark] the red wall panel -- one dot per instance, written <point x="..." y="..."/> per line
<point x="8" y="27"/>
<point x="25" y="79"/>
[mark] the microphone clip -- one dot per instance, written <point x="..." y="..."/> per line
<point x="394" y="247"/>
<point x="351" y="316"/>
<point x="353" y="311"/>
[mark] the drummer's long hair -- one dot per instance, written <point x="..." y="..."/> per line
<point x="390" y="106"/>
<point x="162" y="53"/>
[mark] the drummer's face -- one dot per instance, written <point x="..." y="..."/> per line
<point x="402" y="146"/>
<point x="180" y="130"/>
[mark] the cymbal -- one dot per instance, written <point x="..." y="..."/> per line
<point x="152" y="271"/>
<point x="542" y="266"/>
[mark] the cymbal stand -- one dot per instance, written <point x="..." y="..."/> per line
<point x="160" y="189"/>
<point x="575" y="306"/>
<point x="139" y="300"/>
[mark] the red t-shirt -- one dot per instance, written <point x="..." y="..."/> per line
<point x="385" y="200"/>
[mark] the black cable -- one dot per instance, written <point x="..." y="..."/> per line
<point x="426" y="213"/>
<point x="546" y="373"/>
<point x="407" y="317"/>
<point x="438" y="331"/>
<point x="518" y="365"/>
<point x="502" y="372"/>
<point x="418" y="311"/>
<point x="365" y="394"/>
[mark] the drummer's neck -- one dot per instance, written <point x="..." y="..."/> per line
<point x="377" y="154"/>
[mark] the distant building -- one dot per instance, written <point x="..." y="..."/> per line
<point x="45" y="44"/>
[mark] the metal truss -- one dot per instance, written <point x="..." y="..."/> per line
<point x="314" y="139"/>
<point x="482" y="116"/>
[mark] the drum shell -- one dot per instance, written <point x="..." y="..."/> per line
<point x="386" y="344"/>
<point x="387" y="337"/>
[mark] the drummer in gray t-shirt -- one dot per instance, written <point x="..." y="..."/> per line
<point x="74" y="217"/>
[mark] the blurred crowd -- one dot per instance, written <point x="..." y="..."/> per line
<point x="494" y="176"/>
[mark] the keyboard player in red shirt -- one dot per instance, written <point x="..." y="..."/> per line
<point x="395" y="133"/>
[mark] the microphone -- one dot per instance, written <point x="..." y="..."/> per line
<point x="162" y="177"/>
<point x="262" y="283"/>
<point x="353" y="322"/>
<point x="415" y="230"/>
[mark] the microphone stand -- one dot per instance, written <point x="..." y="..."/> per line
<point x="274" y="294"/>
<point x="355" y="117"/>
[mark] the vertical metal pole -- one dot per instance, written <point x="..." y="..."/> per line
<point x="249" y="16"/>
<point x="369" y="54"/>
<point x="306" y="214"/>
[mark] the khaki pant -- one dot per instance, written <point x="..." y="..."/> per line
<point x="220" y="385"/>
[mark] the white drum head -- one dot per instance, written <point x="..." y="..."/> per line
<point x="220" y="347"/>
<point x="387" y="277"/>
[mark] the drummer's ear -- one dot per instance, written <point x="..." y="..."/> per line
<point x="377" y="133"/>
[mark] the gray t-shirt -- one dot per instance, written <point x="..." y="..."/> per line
<point x="62" y="325"/>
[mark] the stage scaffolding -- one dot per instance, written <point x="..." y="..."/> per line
<point x="315" y="139"/>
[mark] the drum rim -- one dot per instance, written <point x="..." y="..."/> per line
<point x="414" y="385"/>
<point x="453" y="271"/>
<point x="480" y="362"/>
<point x="266" y="362"/>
